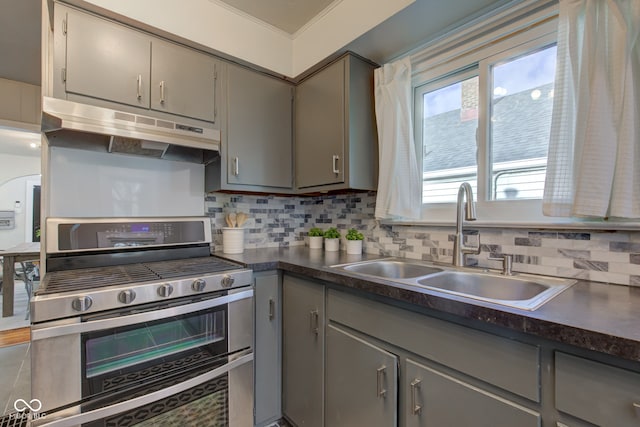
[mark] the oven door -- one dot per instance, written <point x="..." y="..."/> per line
<point x="157" y="365"/>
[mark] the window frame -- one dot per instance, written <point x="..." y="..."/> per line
<point x="449" y="67"/>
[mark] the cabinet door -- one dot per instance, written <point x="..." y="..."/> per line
<point x="107" y="60"/>
<point x="259" y="116"/>
<point x="183" y="81"/>
<point x="362" y="382"/>
<point x="268" y="378"/>
<point x="303" y="348"/>
<point x="437" y="399"/>
<point x="320" y="127"/>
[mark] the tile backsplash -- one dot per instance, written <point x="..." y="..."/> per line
<point x="603" y="256"/>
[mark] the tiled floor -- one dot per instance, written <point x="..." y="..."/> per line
<point x="15" y="376"/>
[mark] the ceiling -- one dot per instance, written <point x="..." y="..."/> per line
<point x="287" y="15"/>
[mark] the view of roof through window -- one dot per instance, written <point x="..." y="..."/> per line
<point x="520" y="119"/>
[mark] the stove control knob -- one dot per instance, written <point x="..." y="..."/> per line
<point x="165" y="290"/>
<point x="227" y="281"/>
<point x="82" y="303"/>
<point x="198" y="285"/>
<point x="127" y="296"/>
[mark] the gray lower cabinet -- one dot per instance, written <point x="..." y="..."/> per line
<point x="303" y="317"/>
<point x="361" y="382"/>
<point x="336" y="138"/>
<point x="438" y="399"/>
<point x="257" y="150"/>
<point x="268" y="348"/>
<point x="595" y="392"/>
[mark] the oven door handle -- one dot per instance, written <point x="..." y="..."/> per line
<point x="97" y="325"/>
<point x="136" y="402"/>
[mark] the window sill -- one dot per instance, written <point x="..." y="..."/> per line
<point x="557" y="225"/>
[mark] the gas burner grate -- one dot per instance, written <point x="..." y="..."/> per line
<point x="118" y="275"/>
<point x="16" y="419"/>
<point x="190" y="266"/>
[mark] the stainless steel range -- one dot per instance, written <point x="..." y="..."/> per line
<point x="136" y="324"/>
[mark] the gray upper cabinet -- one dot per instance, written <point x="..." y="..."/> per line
<point x="362" y="382"/>
<point x="257" y="151"/>
<point x="102" y="62"/>
<point x="183" y="81"/>
<point x="105" y="60"/>
<point x="335" y="134"/>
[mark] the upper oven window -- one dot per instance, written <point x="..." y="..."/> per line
<point x="139" y="345"/>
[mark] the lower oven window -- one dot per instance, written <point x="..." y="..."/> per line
<point x="122" y="348"/>
<point x="132" y="346"/>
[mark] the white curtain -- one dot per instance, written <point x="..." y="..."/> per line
<point x="399" y="181"/>
<point x="594" y="150"/>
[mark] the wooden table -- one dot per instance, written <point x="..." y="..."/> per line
<point x="22" y="252"/>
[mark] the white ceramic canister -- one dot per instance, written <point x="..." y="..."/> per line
<point x="232" y="240"/>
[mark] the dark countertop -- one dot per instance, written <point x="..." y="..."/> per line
<point x="590" y="315"/>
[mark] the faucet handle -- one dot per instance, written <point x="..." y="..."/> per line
<point x="507" y="263"/>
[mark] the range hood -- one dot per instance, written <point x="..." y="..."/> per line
<point x="74" y="125"/>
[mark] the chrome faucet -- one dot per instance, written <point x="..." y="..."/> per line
<point x="459" y="248"/>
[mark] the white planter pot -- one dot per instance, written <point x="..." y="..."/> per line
<point x="315" y="242"/>
<point x="354" y="247"/>
<point x="331" y="245"/>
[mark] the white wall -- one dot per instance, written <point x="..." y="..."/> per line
<point x="222" y="29"/>
<point x="91" y="184"/>
<point x="15" y="171"/>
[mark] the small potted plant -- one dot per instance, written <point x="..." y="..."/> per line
<point x="315" y="238"/>
<point x="354" y="242"/>
<point x="332" y="240"/>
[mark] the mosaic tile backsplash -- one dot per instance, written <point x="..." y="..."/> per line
<point x="603" y="256"/>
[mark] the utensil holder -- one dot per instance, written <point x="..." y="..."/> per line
<point x="232" y="240"/>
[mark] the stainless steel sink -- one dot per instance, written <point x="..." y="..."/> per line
<point x="390" y="269"/>
<point x="523" y="291"/>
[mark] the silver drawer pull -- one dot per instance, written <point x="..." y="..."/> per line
<point x="162" y="92"/>
<point x="415" y="408"/>
<point x="559" y="424"/>
<point x="335" y="160"/>
<point x="636" y="406"/>
<point x="380" y="372"/>
<point x="272" y="310"/>
<point x="314" y="319"/>
<point x="236" y="166"/>
<point x="139" y="90"/>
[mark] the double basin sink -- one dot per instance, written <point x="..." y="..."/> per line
<point x="522" y="291"/>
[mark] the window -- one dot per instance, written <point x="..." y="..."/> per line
<point x="484" y="117"/>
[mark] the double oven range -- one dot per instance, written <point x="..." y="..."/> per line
<point x="136" y="324"/>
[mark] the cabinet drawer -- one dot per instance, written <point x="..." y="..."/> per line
<point x="505" y="363"/>
<point x="596" y="392"/>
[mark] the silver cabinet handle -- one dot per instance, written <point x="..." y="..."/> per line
<point x="272" y="310"/>
<point x="236" y="166"/>
<point x="335" y="160"/>
<point x="314" y="319"/>
<point x="162" y="92"/>
<point x="636" y="406"/>
<point x="215" y="82"/>
<point x="380" y="390"/>
<point x="415" y="408"/>
<point x="559" y="424"/>
<point x="139" y="89"/>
